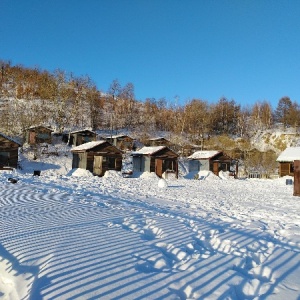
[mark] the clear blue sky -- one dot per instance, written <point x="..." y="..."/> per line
<point x="246" y="50"/>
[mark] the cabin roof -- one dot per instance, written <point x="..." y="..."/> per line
<point x="10" y="139"/>
<point x="149" y="150"/>
<point x="289" y="154"/>
<point x="157" y="138"/>
<point x="40" y="126"/>
<point x="84" y="130"/>
<point x="118" y="136"/>
<point x="88" y="146"/>
<point x="204" y="154"/>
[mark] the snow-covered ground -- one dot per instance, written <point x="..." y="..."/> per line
<point x="68" y="235"/>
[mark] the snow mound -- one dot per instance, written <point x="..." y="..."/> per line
<point x="225" y="175"/>
<point x="148" y="175"/>
<point x="162" y="183"/>
<point x="112" y="174"/>
<point x="80" y="173"/>
<point x="207" y="175"/>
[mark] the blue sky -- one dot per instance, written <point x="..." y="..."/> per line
<point x="246" y="50"/>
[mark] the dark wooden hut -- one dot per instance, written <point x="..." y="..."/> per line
<point x="8" y="152"/>
<point x="159" y="159"/>
<point x="158" y="141"/>
<point x="211" y="160"/>
<point x="38" y="135"/>
<point x="80" y="137"/>
<point x="189" y="149"/>
<point x="123" y="142"/>
<point x="97" y="157"/>
<point x="286" y="161"/>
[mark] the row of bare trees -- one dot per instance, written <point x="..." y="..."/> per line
<point x="33" y="96"/>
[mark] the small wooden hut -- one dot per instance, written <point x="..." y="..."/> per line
<point x="189" y="149"/>
<point x="158" y="141"/>
<point x="123" y="142"/>
<point x="159" y="159"/>
<point x="97" y="157"/>
<point x="80" y="137"/>
<point x="286" y="161"/>
<point x="38" y="135"/>
<point x="211" y="160"/>
<point x="8" y="152"/>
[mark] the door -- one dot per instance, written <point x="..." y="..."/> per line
<point x="137" y="164"/>
<point x="97" y="169"/>
<point x="32" y="137"/>
<point x="297" y="178"/>
<point x="158" y="167"/>
<point x="216" y="168"/>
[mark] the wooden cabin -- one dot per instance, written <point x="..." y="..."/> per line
<point x="286" y="161"/>
<point x="159" y="159"/>
<point x="97" y="157"/>
<point x="158" y="141"/>
<point x="38" y="135"/>
<point x="211" y="160"/>
<point x="8" y="152"/>
<point x="80" y="137"/>
<point x="189" y="149"/>
<point x="123" y="142"/>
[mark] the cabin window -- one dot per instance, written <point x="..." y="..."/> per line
<point x="169" y="165"/>
<point x="223" y="167"/>
<point x="292" y="168"/>
<point x="43" y="136"/>
<point x="87" y="139"/>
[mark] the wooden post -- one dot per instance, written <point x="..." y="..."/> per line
<point x="297" y="178"/>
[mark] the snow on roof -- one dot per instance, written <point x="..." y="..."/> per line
<point x="118" y="136"/>
<point x="40" y="126"/>
<point x="149" y="150"/>
<point x="157" y="138"/>
<point x="89" y="145"/>
<point x="204" y="154"/>
<point x="289" y="154"/>
<point x="83" y="130"/>
<point x="10" y="139"/>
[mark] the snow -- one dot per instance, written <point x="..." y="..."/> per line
<point x="88" y="145"/>
<point x="149" y="150"/>
<point x="289" y="154"/>
<point x="69" y="235"/>
<point x="204" y="154"/>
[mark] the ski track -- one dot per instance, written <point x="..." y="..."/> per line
<point x="177" y="238"/>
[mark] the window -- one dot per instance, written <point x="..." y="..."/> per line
<point x="291" y="168"/>
<point x="169" y="165"/>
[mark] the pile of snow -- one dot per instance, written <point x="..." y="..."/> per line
<point x="146" y="175"/>
<point x="112" y="174"/>
<point x="80" y="173"/>
<point x="162" y="183"/>
<point x="207" y="175"/>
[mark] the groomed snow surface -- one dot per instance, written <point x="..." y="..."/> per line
<point x="77" y="236"/>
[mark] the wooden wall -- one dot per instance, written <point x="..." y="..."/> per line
<point x="285" y="169"/>
<point x="8" y="153"/>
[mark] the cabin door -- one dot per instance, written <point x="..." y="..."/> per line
<point x="137" y="164"/>
<point x="97" y="168"/>
<point x="32" y="137"/>
<point x="216" y="168"/>
<point x="297" y="178"/>
<point x="159" y="167"/>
